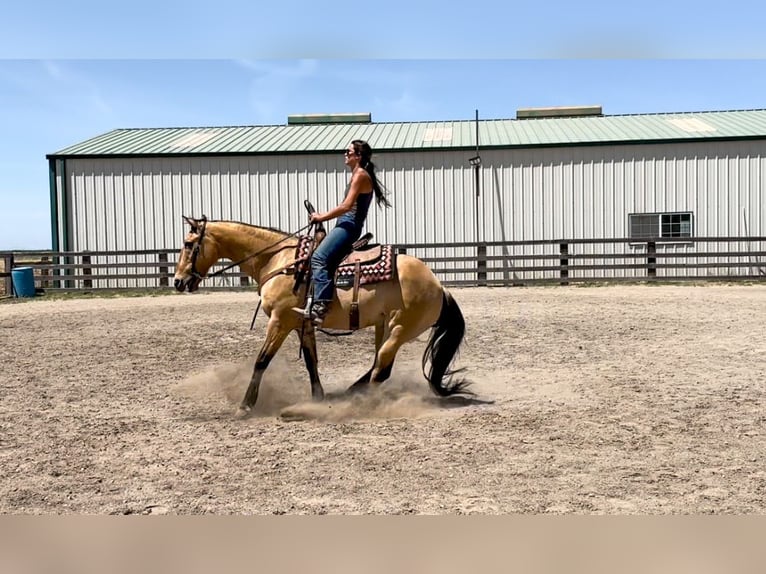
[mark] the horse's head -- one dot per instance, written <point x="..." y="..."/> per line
<point x="198" y="254"/>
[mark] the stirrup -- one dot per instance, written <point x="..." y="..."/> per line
<point x="305" y="312"/>
<point x="314" y="312"/>
<point x="318" y="312"/>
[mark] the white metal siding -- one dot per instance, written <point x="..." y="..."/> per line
<point x="526" y="194"/>
<point x="588" y="192"/>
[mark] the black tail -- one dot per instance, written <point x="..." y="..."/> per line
<point x="443" y="345"/>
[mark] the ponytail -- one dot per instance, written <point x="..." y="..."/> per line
<point x="365" y="152"/>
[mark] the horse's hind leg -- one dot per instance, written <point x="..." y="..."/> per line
<point x="363" y="382"/>
<point x="398" y="334"/>
<point x="309" y="350"/>
<point x="384" y="361"/>
<point x="275" y="336"/>
<point x="402" y="327"/>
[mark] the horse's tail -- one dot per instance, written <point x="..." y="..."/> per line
<point x="443" y="345"/>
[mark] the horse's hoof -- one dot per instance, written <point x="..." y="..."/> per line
<point x="293" y="414"/>
<point x="242" y="412"/>
<point x="358" y="389"/>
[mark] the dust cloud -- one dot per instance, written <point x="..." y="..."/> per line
<point x="286" y="392"/>
<point x="390" y="401"/>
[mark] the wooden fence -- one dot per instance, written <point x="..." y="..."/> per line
<point x="595" y="260"/>
<point x="487" y="263"/>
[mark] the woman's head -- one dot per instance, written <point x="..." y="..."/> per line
<point x="358" y="152"/>
<point x="363" y="150"/>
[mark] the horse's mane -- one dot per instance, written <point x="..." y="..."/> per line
<point x="274" y="229"/>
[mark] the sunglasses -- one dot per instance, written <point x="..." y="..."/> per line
<point x="349" y="152"/>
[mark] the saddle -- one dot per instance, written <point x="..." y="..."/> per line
<point x="366" y="264"/>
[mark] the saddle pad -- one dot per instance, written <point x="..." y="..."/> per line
<point x="380" y="268"/>
<point x="305" y="243"/>
<point x="372" y="270"/>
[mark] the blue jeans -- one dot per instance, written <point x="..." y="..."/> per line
<point x="327" y="257"/>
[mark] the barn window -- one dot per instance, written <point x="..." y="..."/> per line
<point x="670" y="225"/>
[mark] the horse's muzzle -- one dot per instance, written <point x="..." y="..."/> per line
<point x="190" y="284"/>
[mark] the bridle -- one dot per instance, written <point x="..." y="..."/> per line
<point x="195" y="247"/>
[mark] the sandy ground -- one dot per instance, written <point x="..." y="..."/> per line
<point x="607" y="400"/>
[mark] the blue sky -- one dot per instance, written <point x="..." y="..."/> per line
<point x="70" y="74"/>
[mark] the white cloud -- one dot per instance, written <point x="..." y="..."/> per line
<point x="275" y="84"/>
<point x="53" y="69"/>
<point x="72" y="90"/>
<point x="99" y="103"/>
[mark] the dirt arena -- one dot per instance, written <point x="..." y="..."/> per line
<point x="607" y="400"/>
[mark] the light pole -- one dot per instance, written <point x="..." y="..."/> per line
<point x="475" y="162"/>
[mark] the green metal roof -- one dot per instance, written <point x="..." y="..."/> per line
<point x="412" y="136"/>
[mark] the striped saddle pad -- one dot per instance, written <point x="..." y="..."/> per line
<point x="375" y="263"/>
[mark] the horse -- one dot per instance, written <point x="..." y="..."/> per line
<point x="399" y="309"/>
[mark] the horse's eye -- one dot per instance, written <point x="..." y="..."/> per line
<point x="188" y="244"/>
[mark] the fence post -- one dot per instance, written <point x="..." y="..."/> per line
<point x="564" y="263"/>
<point x="244" y="280"/>
<point x="8" y="268"/>
<point x="87" y="270"/>
<point x="481" y="264"/>
<point x="163" y="257"/>
<point x="68" y="283"/>
<point x="651" y="260"/>
<point x="45" y="272"/>
<point x="56" y="272"/>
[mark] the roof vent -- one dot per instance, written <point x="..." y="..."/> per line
<point x="558" y="112"/>
<point x="363" y="118"/>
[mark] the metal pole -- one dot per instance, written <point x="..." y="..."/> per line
<point x="476" y="176"/>
<point x="476" y="184"/>
<point x="477" y="133"/>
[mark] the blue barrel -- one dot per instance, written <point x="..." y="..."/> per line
<point x="23" y="281"/>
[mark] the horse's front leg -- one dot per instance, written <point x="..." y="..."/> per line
<point x="308" y="343"/>
<point x="275" y="336"/>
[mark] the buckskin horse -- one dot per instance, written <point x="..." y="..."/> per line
<point x="400" y="308"/>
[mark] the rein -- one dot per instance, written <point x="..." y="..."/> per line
<point x="256" y="254"/>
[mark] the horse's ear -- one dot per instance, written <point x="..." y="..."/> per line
<point x="191" y="221"/>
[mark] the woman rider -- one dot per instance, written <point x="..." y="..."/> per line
<point x="351" y="214"/>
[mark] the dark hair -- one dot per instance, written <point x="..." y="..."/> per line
<point x="364" y="151"/>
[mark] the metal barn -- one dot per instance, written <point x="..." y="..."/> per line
<point x="548" y="174"/>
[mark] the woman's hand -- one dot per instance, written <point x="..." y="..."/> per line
<point x="316" y="217"/>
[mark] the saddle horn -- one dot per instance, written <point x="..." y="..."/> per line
<point x="319" y="230"/>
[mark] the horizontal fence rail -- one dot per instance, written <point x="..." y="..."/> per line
<point x="561" y="262"/>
